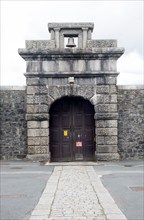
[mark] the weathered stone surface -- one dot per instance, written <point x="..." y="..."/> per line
<point x="131" y="121"/>
<point x="107" y="156"/>
<point x="37" y="124"/>
<point x="106" y="124"/>
<point x="37" y="117"/>
<point x="111" y="140"/>
<point x="37" y="109"/>
<point x="37" y="99"/>
<point x="40" y="44"/>
<point x="37" y="132"/>
<point x="13" y="127"/>
<point x="106" y="131"/>
<point x="106" y="148"/>
<point x="106" y="108"/>
<point x="100" y="116"/>
<point x="103" y="89"/>
<point x="101" y="43"/>
<point x="38" y="141"/>
<point x="31" y="90"/>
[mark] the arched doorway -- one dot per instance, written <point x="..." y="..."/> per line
<point x="72" y="130"/>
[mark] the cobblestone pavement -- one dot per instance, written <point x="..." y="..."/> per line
<point x="76" y="193"/>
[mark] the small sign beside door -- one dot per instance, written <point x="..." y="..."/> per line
<point x="79" y="144"/>
<point x="65" y="133"/>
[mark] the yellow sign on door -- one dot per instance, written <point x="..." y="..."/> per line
<point x="65" y="133"/>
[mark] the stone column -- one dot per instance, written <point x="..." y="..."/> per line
<point x="52" y="35"/>
<point x="57" y="37"/>
<point x="84" y="37"/>
<point x="89" y="34"/>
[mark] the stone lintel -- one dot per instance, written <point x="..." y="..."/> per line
<point x="68" y="25"/>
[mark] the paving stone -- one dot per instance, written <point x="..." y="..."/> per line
<point x="78" y="194"/>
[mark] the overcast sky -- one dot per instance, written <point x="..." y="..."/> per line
<point x="27" y="20"/>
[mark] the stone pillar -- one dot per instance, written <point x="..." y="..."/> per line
<point x="57" y="37"/>
<point x="106" y="122"/>
<point x="37" y="121"/>
<point x="84" y="37"/>
<point x="89" y="34"/>
<point x="52" y="35"/>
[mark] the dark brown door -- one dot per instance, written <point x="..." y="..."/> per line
<point x="72" y="130"/>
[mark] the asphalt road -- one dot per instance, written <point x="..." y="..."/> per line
<point x="125" y="183"/>
<point x="22" y="184"/>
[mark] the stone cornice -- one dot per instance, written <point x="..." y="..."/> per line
<point x="78" y="54"/>
<point x="68" y="74"/>
<point x="70" y="25"/>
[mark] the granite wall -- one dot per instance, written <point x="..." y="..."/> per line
<point x="131" y="121"/>
<point x="13" y="132"/>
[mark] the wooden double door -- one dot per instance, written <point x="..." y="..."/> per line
<point x="72" y="130"/>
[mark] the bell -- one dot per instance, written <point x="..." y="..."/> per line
<point x="71" y="42"/>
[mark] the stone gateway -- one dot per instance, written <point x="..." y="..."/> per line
<point x="71" y="96"/>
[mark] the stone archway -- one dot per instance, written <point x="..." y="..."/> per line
<point x="72" y="130"/>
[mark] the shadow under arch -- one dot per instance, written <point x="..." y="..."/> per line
<point x="72" y="129"/>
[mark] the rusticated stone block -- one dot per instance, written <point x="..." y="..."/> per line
<point x="100" y="140"/>
<point x="37" y="124"/>
<point x="53" y="91"/>
<point x="99" y="98"/>
<point x="101" y="43"/>
<point x="37" y="117"/>
<point x="100" y="81"/>
<point x="106" y="123"/>
<point x="35" y="81"/>
<point x="112" y="89"/>
<point x="33" y="124"/>
<point x="106" y="148"/>
<point x="107" y="156"/>
<point x="40" y="44"/>
<point x="44" y="132"/>
<point x="106" y="99"/>
<point x="42" y="141"/>
<point x="113" y="98"/>
<point x="106" y="108"/>
<point x="37" y="109"/>
<point x="34" y="140"/>
<point x="110" y="80"/>
<point x="36" y="90"/>
<point x="41" y="149"/>
<point x="44" y="124"/>
<point x="100" y="124"/>
<point x="102" y="89"/>
<point x="106" y="131"/>
<point x="37" y="132"/>
<point x="31" y="150"/>
<point x="111" y="123"/>
<point x="107" y="116"/>
<point x="86" y="91"/>
<point x="37" y="99"/>
<point x="111" y="140"/>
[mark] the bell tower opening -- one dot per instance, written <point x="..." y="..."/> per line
<point x="70" y="42"/>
